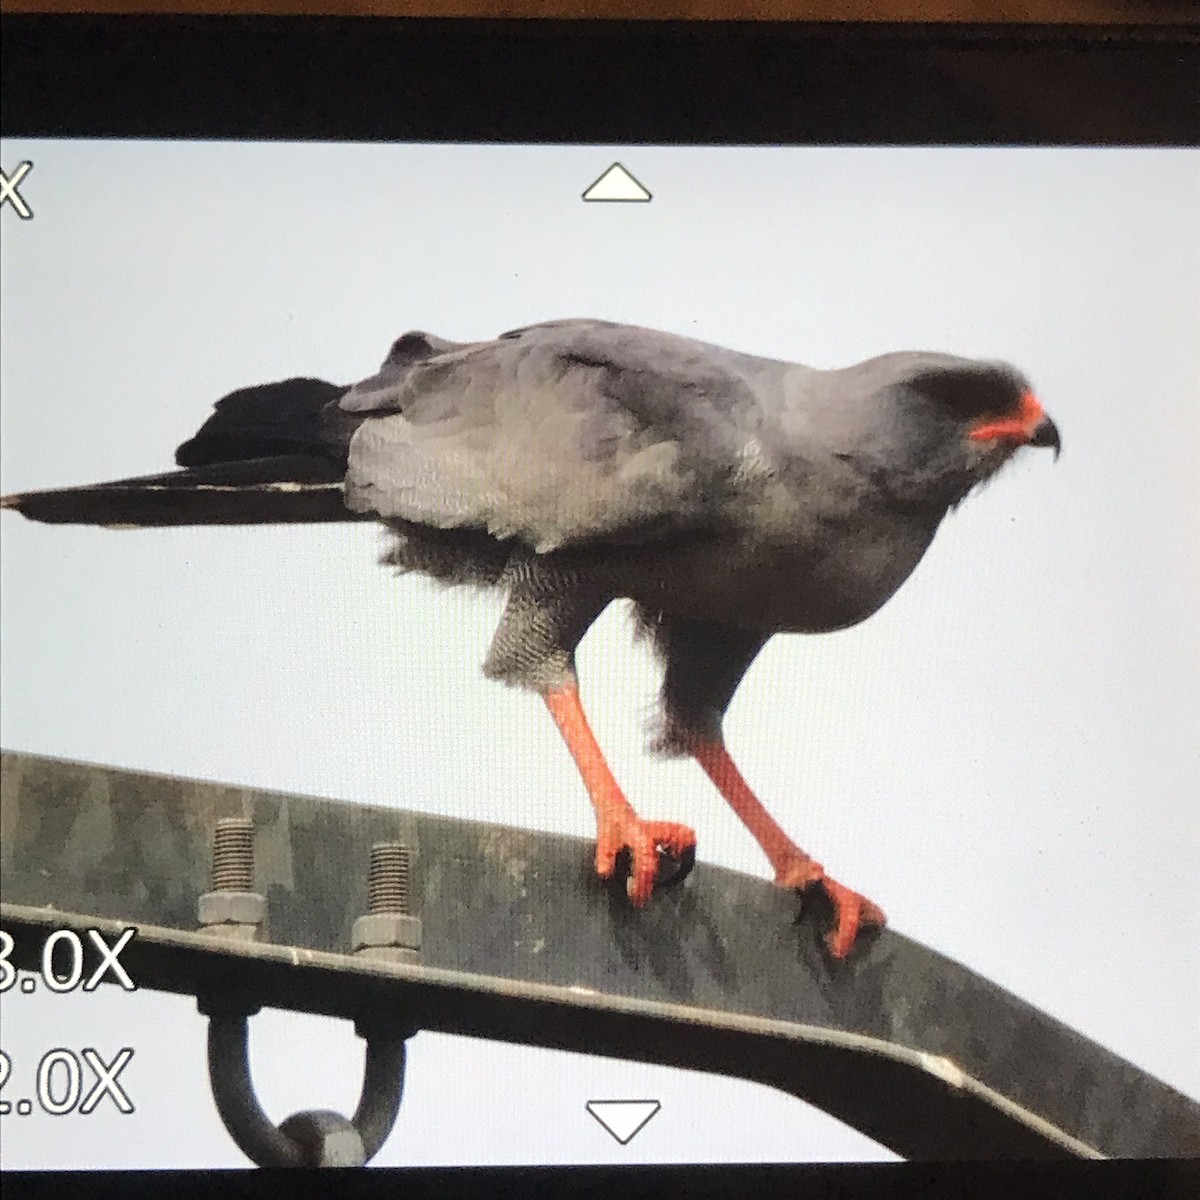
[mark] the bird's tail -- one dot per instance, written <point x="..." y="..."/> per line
<point x="269" y="454"/>
<point x="291" y="489"/>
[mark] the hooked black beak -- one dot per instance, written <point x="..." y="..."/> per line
<point x="1046" y="434"/>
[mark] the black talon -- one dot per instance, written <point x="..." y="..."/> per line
<point x="672" y="871"/>
<point x="622" y="868"/>
<point x="682" y="867"/>
<point x="618" y="882"/>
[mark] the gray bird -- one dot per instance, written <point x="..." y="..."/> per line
<point x="729" y="497"/>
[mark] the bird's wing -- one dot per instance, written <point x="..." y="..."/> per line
<point x="558" y="435"/>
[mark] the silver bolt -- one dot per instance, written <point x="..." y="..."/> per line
<point x="389" y="877"/>
<point x="233" y="855"/>
<point x="388" y="931"/>
<point x="233" y="909"/>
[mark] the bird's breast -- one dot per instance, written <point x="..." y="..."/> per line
<point x="827" y="579"/>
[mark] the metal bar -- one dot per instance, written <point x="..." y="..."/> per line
<point x="521" y="943"/>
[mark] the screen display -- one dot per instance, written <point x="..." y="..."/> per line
<point x="1003" y="756"/>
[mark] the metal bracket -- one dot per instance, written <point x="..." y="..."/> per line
<point x="317" y="1137"/>
<point x="519" y="942"/>
<point x="313" y="1138"/>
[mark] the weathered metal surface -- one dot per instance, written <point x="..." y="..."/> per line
<point x="521" y="943"/>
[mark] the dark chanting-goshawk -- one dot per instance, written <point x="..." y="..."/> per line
<point x="730" y="497"/>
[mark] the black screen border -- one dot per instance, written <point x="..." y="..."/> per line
<point x="642" y="82"/>
<point x="401" y="80"/>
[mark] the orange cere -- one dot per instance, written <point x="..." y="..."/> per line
<point x="1020" y="426"/>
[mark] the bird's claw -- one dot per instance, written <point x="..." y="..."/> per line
<point x="652" y="852"/>
<point x="674" y="868"/>
<point x="851" y="910"/>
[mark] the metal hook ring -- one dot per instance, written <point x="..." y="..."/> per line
<point x="307" y="1138"/>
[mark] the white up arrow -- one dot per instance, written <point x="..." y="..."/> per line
<point x="616" y="184"/>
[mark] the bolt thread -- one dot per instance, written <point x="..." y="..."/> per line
<point x="389" y="878"/>
<point x="233" y="855"/>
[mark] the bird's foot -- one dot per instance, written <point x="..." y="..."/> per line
<point x="643" y="844"/>
<point x="851" y="910"/>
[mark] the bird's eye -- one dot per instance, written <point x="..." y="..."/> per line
<point x="969" y="394"/>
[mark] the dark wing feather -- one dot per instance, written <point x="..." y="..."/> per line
<point x="293" y="416"/>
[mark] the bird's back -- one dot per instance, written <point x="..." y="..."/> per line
<point x="563" y="434"/>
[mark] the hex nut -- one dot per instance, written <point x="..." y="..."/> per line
<point x="326" y="1139"/>
<point x="232" y="908"/>
<point x="386" y="929"/>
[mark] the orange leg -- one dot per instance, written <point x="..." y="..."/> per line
<point x="793" y="868"/>
<point x="618" y="827"/>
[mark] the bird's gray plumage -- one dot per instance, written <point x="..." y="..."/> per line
<point x="729" y="496"/>
<point x="561" y="435"/>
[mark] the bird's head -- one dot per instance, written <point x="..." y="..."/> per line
<point x="940" y="425"/>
